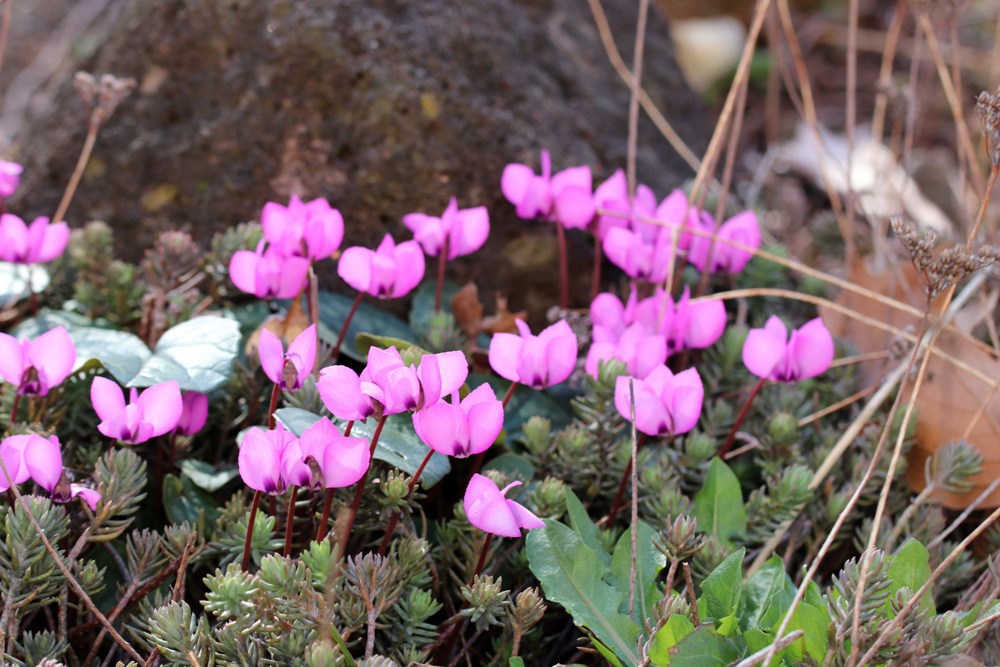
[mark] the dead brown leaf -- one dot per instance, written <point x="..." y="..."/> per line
<point x="949" y="398"/>
<point x="286" y="327"/>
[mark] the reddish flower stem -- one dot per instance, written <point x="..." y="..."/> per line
<point x="253" y="517"/>
<point x="289" y="520"/>
<point x="328" y="502"/>
<point x="595" y="278"/>
<point x="510" y="392"/>
<point x="275" y="394"/>
<point x="741" y="417"/>
<point x="356" y="503"/>
<point x="563" y="266"/>
<point x="343" y="330"/>
<point x="391" y="528"/>
<point x="13" y="408"/>
<point x="482" y="558"/>
<point x="439" y="290"/>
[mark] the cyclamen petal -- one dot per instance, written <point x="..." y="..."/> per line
<point x="536" y="361"/>
<point x="44" y="461"/>
<point x="155" y="411"/>
<point x="268" y="274"/>
<point x="259" y="461"/>
<point x="194" y="413"/>
<point x="10" y="178"/>
<point x="390" y="271"/>
<point x="565" y="198"/>
<point x="340" y="389"/>
<point x="465" y="229"/>
<point x="290" y="370"/>
<point x="664" y="403"/>
<point x="12" y="454"/>
<point x="487" y="509"/>
<point x="24" y="244"/>
<point x="771" y="353"/>
<point x="36" y="366"/>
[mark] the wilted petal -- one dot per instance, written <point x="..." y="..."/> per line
<point x="487" y="509"/>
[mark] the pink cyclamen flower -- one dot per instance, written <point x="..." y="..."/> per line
<point x="466" y="230"/>
<point x="194" y="412"/>
<point x="31" y="244"/>
<point x="664" y="403"/>
<point x="640" y="350"/>
<point x="566" y="197"/>
<point x="388" y="272"/>
<point x="388" y="386"/>
<point x="271" y="461"/>
<point x="641" y="258"/>
<point x="36" y="366"/>
<point x="343" y="461"/>
<point x="536" y="361"/>
<point x="488" y="510"/>
<point x="305" y="229"/>
<point x="153" y="412"/>
<point x="31" y="456"/>
<point x="10" y="178"/>
<point x="771" y="353"/>
<point x="268" y="274"/>
<point x="742" y="228"/>
<point x="622" y="211"/>
<point x="461" y="429"/>
<point x="288" y="370"/>
<point x="685" y="325"/>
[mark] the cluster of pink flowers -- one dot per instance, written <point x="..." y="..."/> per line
<point x="22" y="243"/>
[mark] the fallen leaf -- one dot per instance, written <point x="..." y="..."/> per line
<point x="949" y="398"/>
<point x="468" y="309"/>
<point x="504" y="320"/>
<point x="287" y="328"/>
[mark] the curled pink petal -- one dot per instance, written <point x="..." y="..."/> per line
<point x="487" y="509"/>
<point x="272" y="355"/>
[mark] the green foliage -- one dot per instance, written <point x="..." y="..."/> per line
<point x="719" y="505"/>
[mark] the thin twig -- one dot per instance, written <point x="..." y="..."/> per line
<point x="965" y="513"/>
<point x="761" y="655"/>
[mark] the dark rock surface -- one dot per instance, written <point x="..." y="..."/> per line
<point x="383" y="107"/>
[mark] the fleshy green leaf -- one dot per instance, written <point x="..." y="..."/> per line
<point x="910" y="567"/>
<point x="512" y="465"/>
<point x="199" y="354"/>
<point x="673" y="631"/>
<point x="524" y="404"/>
<point x="580" y="521"/>
<point x="422" y="308"/>
<point x="398" y="444"/>
<point x="183" y="501"/>
<point x="570" y="574"/>
<point x="15" y="279"/>
<point x="720" y="592"/>
<point x="333" y="310"/>
<point x="766" y="595"/>
<point x="719" y="505"/>
<point x="648" y="563"/>
<point x="705" y="648"/>
<point x="206" y="476"/>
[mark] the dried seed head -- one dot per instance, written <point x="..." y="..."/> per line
<point x="988" y="108"/>
<point x="101" y="96"/>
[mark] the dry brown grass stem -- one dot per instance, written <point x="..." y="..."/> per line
<point x="739" y="81"/>
<point x="889" y="44"/>
<point x="897" y="452"/>
<point x="861" y="358"/>
<point x="892" y="626"/>
<point x="839" y="405"/>
<point x="966" y="150"/>
<point x="850" y="114"/>
<point x="760" y="656"/>
<point x="659" y="120"/>
<point x="812" y="120"/>
<point x="633" y="107"/>
<point x="77" y="588"/>
<point x="960" y="519"/>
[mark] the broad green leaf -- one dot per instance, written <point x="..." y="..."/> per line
<point x="648" y="563"/>
<point x="199" y="354"/>
<point x="815" y="624"/>
<point x="581" y="522"/>
<point x="422" y="308"/>
<point x="910" y="567"/>
<point x="18" y="281"/>
<point x="720" y="592"/>
<point x="515" y="661"/>
<point x="719" y="505"/>
<point x="758" y="640"/>
<point x="205" y="476"/>
<point x="673" y="631"/>
<point x="729" y="625"/>
<point x="398" y="444"/>
<point x="513" y="466"/>
<point x="333" y="310"/>
<point x="605" y="652"/>
<point x="365" y="341"/>
<point x="705" y="648"/>
<point x="122" y="354"/>
<point x="766" y="595"/>
<point x="571" y="575"/>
